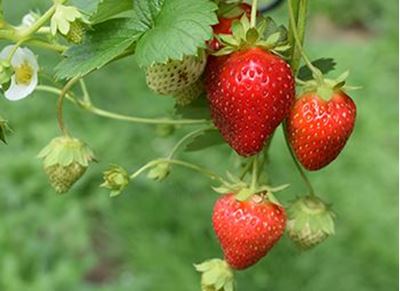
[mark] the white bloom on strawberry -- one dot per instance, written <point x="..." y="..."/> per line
<point x="25" y="78"/>
<point x="63" y="17"/>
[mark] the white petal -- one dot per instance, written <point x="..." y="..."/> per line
<point x="17" y="91"/>
<point x="5" y="52"/>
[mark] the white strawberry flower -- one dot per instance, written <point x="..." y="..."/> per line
<point x="63" y="17"/>
<point x="25" y="78"/>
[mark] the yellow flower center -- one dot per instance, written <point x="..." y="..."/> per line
<point x="23" y="74"/>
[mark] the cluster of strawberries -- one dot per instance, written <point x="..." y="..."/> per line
<point x="251" y="90"/>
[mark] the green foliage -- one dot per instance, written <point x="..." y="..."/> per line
<point x="325" y="65"/>
<point x="174" y="28"/>
<point x="104" y="43"/>
<point x="139" y="241"/>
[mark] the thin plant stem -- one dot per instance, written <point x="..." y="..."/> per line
<point x="107" y="114"/>
<point x="60" y="103"/>
<point x="254" y="13"/>
<point x="303" y="175"/>
<point x="298" y="41"/>
<point x="206" y="172"/>
<point x="184" y="139"/>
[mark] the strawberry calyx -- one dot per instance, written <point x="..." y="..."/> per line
<point x="244" y="191"/>
<point x="325" y="87"/>
<point x="265" y="35"/>
<point x="216" y="274"/>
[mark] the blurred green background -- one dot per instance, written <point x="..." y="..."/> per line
<point x="148" y="238"/>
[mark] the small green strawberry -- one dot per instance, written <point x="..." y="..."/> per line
<point x="76" y="32"/>
<point x="190" y="93"/>
<point x="310" y="222"/>
<point x="65" y="160"/>
<point x="175" y="75"/>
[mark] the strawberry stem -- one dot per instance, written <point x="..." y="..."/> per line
<point x="206" y="172"/>
<point x="186" y="138"/>
<point x="254" y="177"/>
<point x="303" y="175"/>
<point x="60" y="103"/>
<point x="88" y="106"/>
<point x="254" y="10"/>
<point x="317" y="74"/>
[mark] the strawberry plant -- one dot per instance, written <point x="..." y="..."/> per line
<point x="235" y="76"/>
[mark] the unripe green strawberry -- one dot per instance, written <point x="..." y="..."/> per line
<point x="310" y="222"/>
<point x="216" y="275"/>
<point x="175" y="75"/>
<point x="190" y="93"/>
<point x="76" y="32"/>
<point x="65" y="160"/>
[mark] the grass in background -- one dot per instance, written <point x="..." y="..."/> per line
<point x="148" y="238"/>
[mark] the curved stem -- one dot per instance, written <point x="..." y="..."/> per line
<point x="254" y="13"/>
<point x="116" y="116"/>
<point x="298" y="166"/>
<point x="208" y="173"/>
<point x="60" y="103"/>
<point x="100" y="112"/>
<point x="55" y="91"/>
<point x="184" y="139"/>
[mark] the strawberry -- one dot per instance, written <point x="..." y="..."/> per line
<point x="310" y="222"/>
<point x="248" y="229"/>
<point x="250" y="93"/>
<point x="65" y="160"/>
<point x="175" y="75"/>
<point x="224" y="25"/>
<point x="318" y="129"/>
<point x="190" y="93"/>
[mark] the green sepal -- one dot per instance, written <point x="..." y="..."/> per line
<point x="216" y="275"/>
<point x="244" y="36"/>
<point x="64" y="151"/>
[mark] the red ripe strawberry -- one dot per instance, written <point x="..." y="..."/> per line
<point x="247" y="230"/>
<point x="224" y="26"/>
<point x="250" y="93"/>
<point x="318" y="129"/>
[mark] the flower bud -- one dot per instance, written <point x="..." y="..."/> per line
<point x="116" y="179"/>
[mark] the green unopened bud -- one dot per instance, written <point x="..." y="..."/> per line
<point x="216" y="275"/>
<point x="160" y="171"/>
<point x="65" y="160"/>
<point x="4" y="129"/>
<point x="116" y="179"/>
<point x="6" y="71"/>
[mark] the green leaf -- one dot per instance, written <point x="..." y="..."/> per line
<point x="104" y="43"/>
<point x="175" y="28"/>
<point x="325" y="65"/>
<point x="107" y="9"/>
<point x="208" y="139"/>
<point x="196" y="110"/>
<point x="88" y="7"/>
